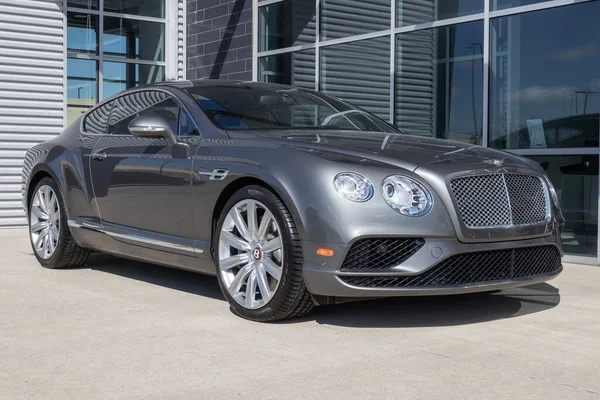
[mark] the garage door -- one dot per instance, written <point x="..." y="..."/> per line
<point x="31" y="90"/>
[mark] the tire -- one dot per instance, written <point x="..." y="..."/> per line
<point x="288" y="298"/>
<point x="65" y="252"/>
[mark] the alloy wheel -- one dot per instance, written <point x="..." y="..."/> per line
<point x="44" y="222"/>
<point x="250" y="254"/>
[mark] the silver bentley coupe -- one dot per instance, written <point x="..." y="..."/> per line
<point x="291" y="197"/>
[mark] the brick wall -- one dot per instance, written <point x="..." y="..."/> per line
<point x="219" y="39"/>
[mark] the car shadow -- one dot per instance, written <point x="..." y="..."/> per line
<point x="395" y="312"/>
<point x="176" y="279"/>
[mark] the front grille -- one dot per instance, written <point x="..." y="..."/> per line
<point x="472" y="268"/>
<point x="500" y="200"/>
<point x="381" y="253"/>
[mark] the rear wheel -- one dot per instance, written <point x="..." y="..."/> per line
<point x="51" y="240"/>
<point x="259" y="257"/>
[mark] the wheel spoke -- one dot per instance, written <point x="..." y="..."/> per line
<point x="263" y="283"/>
<point x="51" y="241"/>
<point x="251" y="289"/>
<point x="238" y="280"/>
<point x="273" y="269"/>
<point x="234" y="261"/>
<point x="53" y="205"/>
<point x="46" y="199"/>
<point x="55" y="232"/>
<point x="40" y="239"/>
<point x="251" y="213"/>
<point x="234" y="241"/>
<point x="38" y="226"/>
<point x="45" y="244"/>
<point x="272" y="245"/>
<point x="240" y="224"/>
<point x="39" y="213"/>
<point x="264" y="226"/>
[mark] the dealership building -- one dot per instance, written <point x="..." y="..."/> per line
<point x="517" y="75"/>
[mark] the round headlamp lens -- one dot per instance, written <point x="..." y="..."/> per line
<point x="406" y="195"/>
<point x="353" y="186"/>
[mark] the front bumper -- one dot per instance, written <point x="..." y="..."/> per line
<point x="324" y="276"/>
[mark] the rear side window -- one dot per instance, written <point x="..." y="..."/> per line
<point x="97" y="120"/>
<point x="130" y="106"/>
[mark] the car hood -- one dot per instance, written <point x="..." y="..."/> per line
<point x="405" y="151"/>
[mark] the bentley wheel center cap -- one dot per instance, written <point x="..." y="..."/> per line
<point x="257" y="253"/>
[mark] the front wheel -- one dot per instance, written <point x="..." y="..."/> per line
<point x="259" y="257"/>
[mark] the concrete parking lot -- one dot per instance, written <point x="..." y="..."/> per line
<point x="121" y="329"/>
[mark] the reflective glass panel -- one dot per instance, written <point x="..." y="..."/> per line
<point x="359" y="72"/>
<point x="148" y="8"/>
<point x="82" y="33"/>
<point x="439" y="82"/>
<point x="341" y="18"/>
<point x="285" y="24"/>
<point x="575" y="179"/>
<point x="411" y="12"/>
<point x="501" y="4"/>
<point x="545" y="79"/>
<point x="81" y="87"/>
<point x="120" y="76"/>
<point x="297" y="69"/>
<point x="89" y="4"/>
<point x="134" y="39"/>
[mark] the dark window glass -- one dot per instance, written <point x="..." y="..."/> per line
<point x="251" y="107"/>
<point x="545" y="79"/>
<point x="297" y="69"/>
<point x="130" y="106"/>
<point x="82" y="33"/>
<point x="89" y="4"/>
<point x="501" y="4"/>
<point x="186" y="125"/>
<point x="411" y="12"/>
<point x="286" y="24"/>
<point x="359" y="72"/>
<point x="134" y="39"/>
<point x="97" y="120"/>
<point x="81" y="87"/>
<point x="120" y="76"/>
<point x="148" y="8"/>
<point x="439" y="82"/>
<point x="575" y="179"/>
<point x="342" y="18"/>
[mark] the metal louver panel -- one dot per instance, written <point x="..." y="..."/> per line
<point x="342" y="18"/>
<point x="303" y="69"/>
<point x="31" y="91"/>
<point x="359" y="73"/>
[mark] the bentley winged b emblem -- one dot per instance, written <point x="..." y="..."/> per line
<point x="495" y="162"/>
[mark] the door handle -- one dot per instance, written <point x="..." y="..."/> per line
<point x="99" y="156"/>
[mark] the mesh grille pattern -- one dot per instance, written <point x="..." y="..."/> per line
<point x="472" y="268"/>
<point x="381" y="253"/>
<point x="500" y="200"/>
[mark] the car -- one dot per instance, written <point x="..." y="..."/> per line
<point x="291" y="197"/>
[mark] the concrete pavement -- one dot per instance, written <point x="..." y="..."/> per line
<point x="124" y="330"/>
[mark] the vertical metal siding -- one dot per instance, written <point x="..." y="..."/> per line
<point x="31" y="90"/>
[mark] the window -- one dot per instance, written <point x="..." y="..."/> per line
<point x="411" y="12"/>
<point x="128" y="107"/>
<point x="545" y="79"/>
<point x="148" y="8"/>
<point x="297" y="68"/>
<point x="97" y="120"/>
<point x="346" y="73"/>
<point x="134" y="39"/>
<point x="342" y="18"/>
<point x="82" y="33"/>
<point x="81" y="86"/>
<point x="576" y="181"/>
<point x="119" y="76"/>
<point x="285" y="24"/>
<point x="186" y="124"/>
<point x="501" y="4"/>
<point x="439" y="82"/>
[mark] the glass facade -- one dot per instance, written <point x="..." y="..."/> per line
<point x="112" y="45"/>
<point x="529" y="85"/>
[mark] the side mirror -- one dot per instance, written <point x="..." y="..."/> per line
<point x="152" y="126"/>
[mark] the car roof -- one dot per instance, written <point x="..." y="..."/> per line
<point x="217" y="83"/>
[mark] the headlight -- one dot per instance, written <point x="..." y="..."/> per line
<point x="553" y="194"/>
<point x="353" y="186"/>
<point x="406" y="195"/>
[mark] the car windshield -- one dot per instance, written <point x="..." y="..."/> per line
<point x="248" y="107"/>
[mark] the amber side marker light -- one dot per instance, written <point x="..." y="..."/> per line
<point x="325" y="252"/>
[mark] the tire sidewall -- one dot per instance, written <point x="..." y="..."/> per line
<point x="53" y="260"/>
<point x="289" y="258"/>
